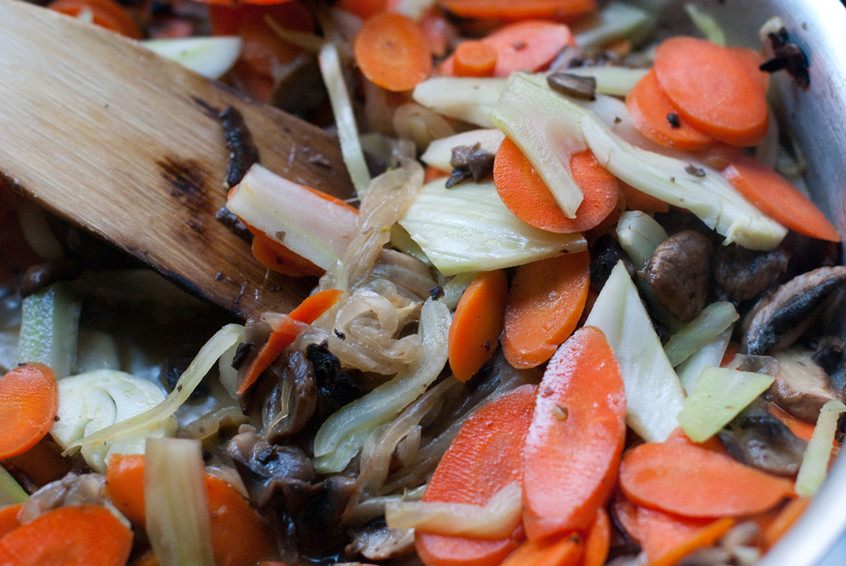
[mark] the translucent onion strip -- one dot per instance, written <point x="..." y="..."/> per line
<point x="814" y="467"/>
<point x="497" y="519"/>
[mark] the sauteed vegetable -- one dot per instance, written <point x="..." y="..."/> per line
<point x="579" y="312"/>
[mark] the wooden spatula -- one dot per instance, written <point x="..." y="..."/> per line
<point x="129" y="146"/>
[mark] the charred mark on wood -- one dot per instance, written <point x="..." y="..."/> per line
<point x="186" y="181"/>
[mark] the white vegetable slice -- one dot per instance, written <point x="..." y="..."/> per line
<point x="615" y="21"/>
<point x="210" y="56"/>
<point x="693" y="336"/>
<point x="719" y="395"/>
<point x="814" y="467"/>
<point x="468" y="99"/>
<point x="639" y="234"/>
<point x="711" y="354"/>
<point x="611" y="80"/>
<point x="292" y="215"/>
<point x="467" y="228"/>
<point x="439" y="153"/>
<point x="92" y="401"/>
<point x="50" y="329"/>
<point x="653" y="393"/>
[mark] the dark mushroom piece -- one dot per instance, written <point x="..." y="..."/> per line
<point x="378" y="542"/>
<point x="679" y="273"/>
<point x="780" y="318"/>
<point x="292" y="399"/>
<point x="742" y="274"/>
<point x="802" y="387"/>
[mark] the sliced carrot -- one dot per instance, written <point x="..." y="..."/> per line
<point x="574" y="443"/>
<point x="545" y="302"/>
<point x="785" y="519"/>
<point x="477" y="323"/>
<point x="598" y="540"/>
<point x="29" y="399"/>
<point x="752" y="59"/>
<point x="280" y="338"/>
<point x="125" y="486"/>
<point x="9" y="518"/>
<point x="391" y="51"/>
<point x="474" y="58"/>
<point x="78" y="535"/>
<point x="776" y="197"/>
<point x="652" y="113"/>
<point x="797" y="426"/>
<point x="276" y="257"/>
<point x="683" y="541"/>
<point x="485" y="456"/>
<point x="517" y="10"/>
<point x="104" y="13"/>
<point x="718" y="155"/>
<point x="565" y="550"/>
<point x="689" y="480"/>
<point x="711" y="87"/>
<point x="362" y="8"/>
<point x="529" y="45"/>
<point x="639" y="200"/>
<point x="525" y="194"/>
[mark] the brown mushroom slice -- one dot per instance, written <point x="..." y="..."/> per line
<point x="292" y="400"/>
<point x="743" y="274"/>
<point x="779" y="319"/>
<point x="679" y="273"/>
<point x="378" y="542"/>
<point x="802" y="387"/>
<point x="758" y="439"/>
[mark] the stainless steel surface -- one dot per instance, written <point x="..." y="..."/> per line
<point x="817" y="119"/>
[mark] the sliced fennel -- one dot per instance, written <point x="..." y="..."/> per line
<point x="11" y="491"/>
<point x="719" y="395"/>
<point x="50" y="329"/>
<point x="639" y="234"/>
<point x="178" y="520"/>
<point x="304" y="222"/>
<point x="495" y="520"/>
<point x="814" y="467"/>
<point x="160" y="414"/>
<point x="467" y="99"/>
<point x="211" y="56"/>
<point x="714" y="319"/>
<point x="467" y="228"/>
<point x="439" y="153"/>
<point x="653" y="393"/>
<point x="339" y="99"/>
<point x="342" y="435"/>
<point x="611" y="80"/>
<point x="614" y="21"/>
<point x="92" y="401"/>
<point x="711" y="354"/>
<point x="705" y="23"/>
<point x="536" y="120"/>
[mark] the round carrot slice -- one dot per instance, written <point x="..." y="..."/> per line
<point x="712" y="88"/>
<point x="29" y="399"/>
<point x="392" y="52"/>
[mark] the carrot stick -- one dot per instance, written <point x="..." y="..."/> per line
<point x="391" y="51"/>
<point x="797" y="426"/>
<point x="712" y="88"/>
<point x="474" y="58"/>
<point x="785" y="519"/>
<point x="598" y="540"/>
<point x="485" y="456"/>
<point x="9" y="518"/>
<point x="104" y="13"/>
<point x="529" y="45"/>
<point x="280" y="338"/>
<point x="477" y="323"/>
<point x="776" y="197"/>
<point x="78" y="535"/>
<point x="525" y="194"/>
<point x="517" y="10"/>
<point x="652" y="113"/>
<point x="700" y="538"/>
<point x="574" y="443"/>
<point x="29" y="399"/>
<point x="688" y="480"/>
<point x="545" y="302"/>
<point x="565" y="550"/>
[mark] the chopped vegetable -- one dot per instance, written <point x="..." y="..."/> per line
<point x="11" y="491"/>
<point x="565" y="550"/>
<point x="29" y="400"/>
<point x="639" y="234"/>
<point x="815" y="464"/>
<point x="210" y="56"/>
<point x="50" y="329"/>
<point x="466" y="98"/>
<point x="104" y="13"/>
<point x="392" y="51"/>
<point x="506" y="9"/>
<point x="714" y="319"/>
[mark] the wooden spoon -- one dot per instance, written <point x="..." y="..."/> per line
<point x="128" y="145"/>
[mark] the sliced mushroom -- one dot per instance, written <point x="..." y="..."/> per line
<point x="779" y="319"/>
<point x="802" y="387"/>
<point x="742" y="274"/>
<point x="71" y="489"/>
<point x="378" y="542"/>
<point x="679" y="273"/>
<point x="292" y="399"/>
<point x="758" y="439"/>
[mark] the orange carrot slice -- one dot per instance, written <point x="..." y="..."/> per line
<point x="667" y="539"/>
<point x="598" y="540"/>
<point x="529" y="45"/>
<point x="276" y="257"/>
<point x="477" y="323"/>
<point x="104" y="13"/>
<point x="711" y="87"/>
<point x="522" y="9"/>
<point x="29" y="399"/>
<point x="688" y="480"/>
<point x="545" y="302"/>
<point x="785" y="519"/>
<point x="78" y="535"/>
<point x="776" y="197"/>
<point x="639" y="200"/>
<point x="474" y="58"/>
<point x="652" y="113"/>
<point x="125" y="486"/>
<point x="485" y="456"/>
<point x="280" y="338"/>
<point x="9" y="518"/>
<point x="566" y="550"/>
<point x="525" y="194"/>
<point x="392" y="52"/>
<point x="574" y="443"/>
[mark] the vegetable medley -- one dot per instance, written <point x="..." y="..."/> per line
<point x="579" y="311"/>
